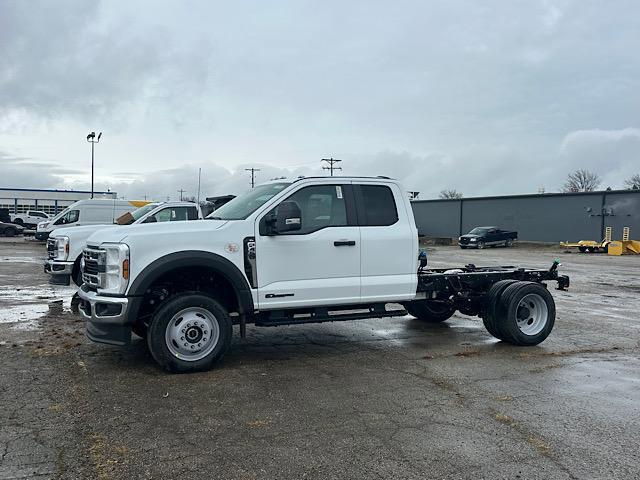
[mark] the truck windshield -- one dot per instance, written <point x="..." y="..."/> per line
<point x="478" y="231"/>
<point x="244" y="205"/>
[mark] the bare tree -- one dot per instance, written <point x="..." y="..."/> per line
<point x="633" y="183"/>
<point x="581" y="181"/>
<point x="450" y="193"/>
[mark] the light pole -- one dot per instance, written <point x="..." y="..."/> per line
<point x="91" y="138"/>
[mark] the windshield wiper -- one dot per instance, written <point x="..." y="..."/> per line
<point x="215" y="218"/>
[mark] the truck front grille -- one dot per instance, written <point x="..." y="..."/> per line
<point x="51" y="248"/>
<point x="91" y="268"/>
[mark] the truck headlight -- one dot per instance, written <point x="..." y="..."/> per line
<point x="472" y="240"/>
<point x="114" y="258"/>
<point x="62" y="248"/>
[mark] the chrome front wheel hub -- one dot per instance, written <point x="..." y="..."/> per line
<point x="192" y="334"/>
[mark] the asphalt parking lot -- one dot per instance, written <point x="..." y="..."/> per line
<point x="383" y="398"/>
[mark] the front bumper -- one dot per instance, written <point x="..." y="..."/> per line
<point x="42" y="235"/>
<point x="107" y="319"/>
<point x="60" y="271"/>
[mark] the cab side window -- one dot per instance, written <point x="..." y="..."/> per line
<point x="378" y="206"/>
<point x="71" y="216"/>
<point x="172" y="214"/>
<point x="321" y="206"/>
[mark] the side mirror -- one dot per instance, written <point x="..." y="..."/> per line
<point x="288" y="217"/>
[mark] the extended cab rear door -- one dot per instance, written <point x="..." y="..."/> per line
<point x="388" y="243"/>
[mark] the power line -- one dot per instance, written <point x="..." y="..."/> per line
<point x="331" y="161"/>
<point x="181" y="191"/>
<point x="253" y="171"/>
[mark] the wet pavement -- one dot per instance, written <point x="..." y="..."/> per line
<point x="383" y="398"/>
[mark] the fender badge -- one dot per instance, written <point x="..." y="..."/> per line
<point x="231" y="247"/>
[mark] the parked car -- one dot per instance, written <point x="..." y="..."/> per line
<point x="88" y="212"/>
<point x="312" y="250"/>
<point x="481" y="237"/>
<point x="10" y="229"/>
<point x="65" y="245"/>
<point x="30" y="218"/>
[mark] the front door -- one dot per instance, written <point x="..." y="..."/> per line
<point x="318" y="264"/>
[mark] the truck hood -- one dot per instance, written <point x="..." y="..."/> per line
<point x="119" y="233"/>
<point x="83" y="230"/>
<point x="468" y="235"/>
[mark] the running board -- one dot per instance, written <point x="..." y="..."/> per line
<point x="321" y="315"/>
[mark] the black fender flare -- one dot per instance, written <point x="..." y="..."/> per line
<point x="190" y="258"/>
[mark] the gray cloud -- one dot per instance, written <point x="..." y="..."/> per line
<point x="68" y="59"/>
<point x="20" y="171"/>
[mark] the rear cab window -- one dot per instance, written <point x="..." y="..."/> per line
<point x="376" y="205"/>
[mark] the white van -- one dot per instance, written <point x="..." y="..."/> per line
<point x="88" y="212"/>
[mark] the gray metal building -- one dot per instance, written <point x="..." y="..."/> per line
<point x="548" y="217"/>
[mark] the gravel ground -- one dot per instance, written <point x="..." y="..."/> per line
<point x="383" y="398"/>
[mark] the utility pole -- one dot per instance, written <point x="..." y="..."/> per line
<point x="199" y="175"/>
<point x="331" y="161"/>
<point x="252" y="170"/>
<point x="91" y="138"/>
<point x="181" y="191"/>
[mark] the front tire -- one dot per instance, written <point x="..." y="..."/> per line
<point x="10" y="232"/>
<point x="430" y="311"/>
<point x="189" y="333"/>
<point x="480" y="245"/>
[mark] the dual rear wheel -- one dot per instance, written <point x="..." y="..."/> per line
<point x="520" y="313"/>
<point x="516" y="312"/>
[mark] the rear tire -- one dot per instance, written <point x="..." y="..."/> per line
<point x="582" y="249"/>
<point x="463" y="247"/>
<point x="189" y="333"/>
<point x="430" y="311"/>
<point x="489" y="310"/>
<point x="525" y="314"/>
<point x="508" y="243"/>
<point x="18" y="221"/>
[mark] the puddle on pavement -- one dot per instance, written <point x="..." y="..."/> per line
<point x="20" y="260"/>
<point x="26" y="304"/>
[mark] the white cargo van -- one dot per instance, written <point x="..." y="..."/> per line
<point x="88" y="212"/>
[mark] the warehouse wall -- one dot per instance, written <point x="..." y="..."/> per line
<point x="439" y="219"/>
<point x="544" y="218"/>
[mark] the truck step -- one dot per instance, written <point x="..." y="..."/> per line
<point x="320" y="315"/>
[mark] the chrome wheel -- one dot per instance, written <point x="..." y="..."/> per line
<point x="532" y="314"/>
<point x="192" y="334"/>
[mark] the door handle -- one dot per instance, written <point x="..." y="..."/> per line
<point x="344" y="243"/>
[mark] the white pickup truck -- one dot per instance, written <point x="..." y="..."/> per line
<point x="65" y="245"/>
<point x="30" y="218"/>
<point x="292" y="252"/>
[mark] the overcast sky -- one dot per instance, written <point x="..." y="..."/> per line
<point x="491" y="97"/>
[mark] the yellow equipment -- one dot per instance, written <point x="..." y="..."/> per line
<point x="591" y="246"/>
<point x="627" y="246"/>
